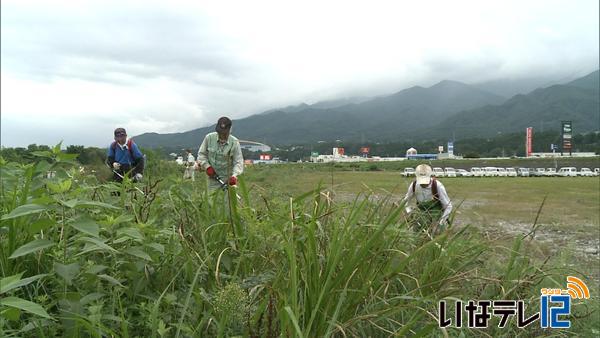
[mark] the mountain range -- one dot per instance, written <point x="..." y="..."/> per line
<point x="448" y="109"/>
<point x="543" y="108"/>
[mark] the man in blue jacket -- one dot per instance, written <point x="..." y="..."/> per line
<point x="124" y="157"/>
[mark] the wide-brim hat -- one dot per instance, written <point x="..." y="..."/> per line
<point x="423" y="173"/>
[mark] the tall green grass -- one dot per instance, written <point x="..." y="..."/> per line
<point x="79" y="260"/>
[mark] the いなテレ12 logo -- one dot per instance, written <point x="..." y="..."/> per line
<point x="555" y="305"/>
<point x="550" y="315"/>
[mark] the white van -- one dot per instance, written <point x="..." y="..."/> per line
<point x="450" y="172"/>
<point x="477" y="172"/>
<point x="567" y="172"/>
<point x="586" y="172"/>
<point x="490" y="171"/>
<point x="408" y="172"/>
<point x="463" y="173"/>
<point x="538" y="172"/>
<point x="523" y="172"/>
<point x="502" y="172"/>
<point x="511" y="172"/>
<point x="438" y="172"/>
<point x="550" y="172"/>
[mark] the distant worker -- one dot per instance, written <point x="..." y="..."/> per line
<point x="125" y="158"/>
<point x="220" y="155"/>
<point x="190" y="166"/>
<point x="433" y="204"/>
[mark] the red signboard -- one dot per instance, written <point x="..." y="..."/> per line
<point x="528" y="141"/>
<point x="265" y="157"/>
<point x="364" y="150"/>
<point x="341" y="151"/>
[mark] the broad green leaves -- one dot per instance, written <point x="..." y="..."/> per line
<point x="87" y="226"/>
<point x="111" y="280"/>
<point x="75" y="203"/>
<point x="91" y="204"/>
<point x="138" y="252"/>
<point x="25" y="305"/>
<point x="130" y="232"/>
<point x="94" y="244"/>
<point x="10" y="307"/>
<point x="24" y="210"/>
<point x="68" y="272"/>
<point x="59" y="187"/>
<point x="15" y="281"/>
<point x="31" y="247"/>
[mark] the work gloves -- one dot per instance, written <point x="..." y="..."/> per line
<point x="443" y="224"/>
<point x="116" y="165"/>
<point x="210" y="171"/>
<point x="138" y="177"/>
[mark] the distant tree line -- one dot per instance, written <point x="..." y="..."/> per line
<point x="502" y="145"/>
<point x="87" y="155"/>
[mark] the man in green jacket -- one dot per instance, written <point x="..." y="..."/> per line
<point x="220" y="155"/>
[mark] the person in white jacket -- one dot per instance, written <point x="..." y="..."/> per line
<point x="190" y="166"/>
<point x="433" y="204"/>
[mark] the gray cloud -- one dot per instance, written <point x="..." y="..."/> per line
<point x="175" y="66"/>
<point x="149" y="43"/>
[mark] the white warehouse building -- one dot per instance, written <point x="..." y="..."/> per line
<point x="254" y="146"/>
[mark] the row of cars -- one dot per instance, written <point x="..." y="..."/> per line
<point x="508" y="172"/>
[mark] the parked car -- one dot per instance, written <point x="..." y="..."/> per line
<point x="502" y="172"/>
<point x="567" y="172"/>
<point x="511" y="172"/>
<point x="538" y="172"/>
<point x="596" y="171"/>
<point x="490" y="171"/>
<point x="463" y="173"/>
<point x="408" y="172"/>
<point x="438" y="172"/>
<point x="476" y="172"/>
<point x="550" y="172"/>
<point x="450" y="172"/>
<point x="523" y="172"/>
<point x="586" y="172"/>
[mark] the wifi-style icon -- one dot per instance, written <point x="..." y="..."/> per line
<point x="577" y="288"/>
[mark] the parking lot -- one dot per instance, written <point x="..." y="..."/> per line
<point x="509" y="172"/>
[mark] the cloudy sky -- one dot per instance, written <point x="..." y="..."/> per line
<point x="75" y="70"/>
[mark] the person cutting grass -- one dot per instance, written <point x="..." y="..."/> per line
<point x="433" y="204"/>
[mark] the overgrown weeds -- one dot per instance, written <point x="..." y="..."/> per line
<point x="78" y="260"/>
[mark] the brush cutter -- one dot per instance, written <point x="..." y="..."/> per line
<point x="121" y="176"/>
<point x="224" y="185"/>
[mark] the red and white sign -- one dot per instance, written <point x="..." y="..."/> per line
<point x="265" y="157"/>
<point x="337" y="152"/>
<point x="364" y="150"/>
<point x="528" y="141"/>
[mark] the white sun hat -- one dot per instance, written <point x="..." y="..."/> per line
<point x="423" y="173"/>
